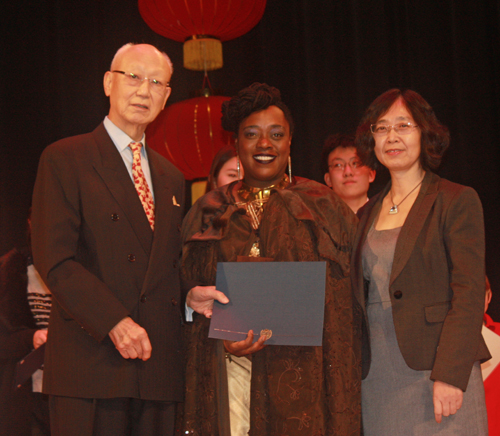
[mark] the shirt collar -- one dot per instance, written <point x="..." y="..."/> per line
<point x="119" y="137"/>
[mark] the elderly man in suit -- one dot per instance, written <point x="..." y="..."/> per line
<point x="106" y="217"/>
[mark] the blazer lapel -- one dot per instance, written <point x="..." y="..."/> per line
<point x="163" y="197"/>
<point x="116" y="177"/>
<point x="163" y="212"/>
<point x="414" y="223"/>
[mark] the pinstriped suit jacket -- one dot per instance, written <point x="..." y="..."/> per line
<point x="93" y="245"/>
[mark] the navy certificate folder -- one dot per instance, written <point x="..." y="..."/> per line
<point x="282" y="300"/>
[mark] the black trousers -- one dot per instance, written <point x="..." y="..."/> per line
<point x="110" y="417"/>
<point x="41" y="419"/>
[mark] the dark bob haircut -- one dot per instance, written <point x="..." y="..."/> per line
<point x="435" y="137"/>
<point x="222" y="156"/>
<point x="255" y="98"/>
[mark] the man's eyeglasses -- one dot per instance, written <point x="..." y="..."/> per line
<point x="384" y="129"/>
<point x="136" y="80"/>
<point x="339" y="165"/>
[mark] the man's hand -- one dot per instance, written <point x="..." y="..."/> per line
<point x="131" y="340"/>
<point x="245" y="347"/>
<point x="39" y="338"/>
<point x="447" y="400"/>
<point x="201" y="299"/>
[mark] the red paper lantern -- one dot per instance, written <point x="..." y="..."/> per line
<point x="189" y="134"/>
<point x="202" y="25"/>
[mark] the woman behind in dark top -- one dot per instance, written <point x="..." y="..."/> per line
<point x="419" y="262"/>
<point x="270" y="214"/>
<point x="24" y="313"/>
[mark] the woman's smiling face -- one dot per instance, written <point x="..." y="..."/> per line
<point x="264" y="146"/>
<point x="395" y="151"/>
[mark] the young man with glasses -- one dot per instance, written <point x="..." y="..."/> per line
<point x="343" y="171"/>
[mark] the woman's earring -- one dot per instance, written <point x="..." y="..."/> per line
<point x="238" y="166"/>
<point x="289" y="169"/>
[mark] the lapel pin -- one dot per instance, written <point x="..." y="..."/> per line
<point x="174" y="202"/>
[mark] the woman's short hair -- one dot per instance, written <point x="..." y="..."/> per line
<point x="257" y="97"/>
<point x="222" y="156"/>
<point x="435" y="137"/>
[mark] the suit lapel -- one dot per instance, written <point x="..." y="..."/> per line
<point x="414" y="223"/>
<point x="163" y="190"/>
<point x="163" y="197"/>
<point x="117" y="179"/>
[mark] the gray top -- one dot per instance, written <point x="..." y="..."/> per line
<point x="378" y="254"/>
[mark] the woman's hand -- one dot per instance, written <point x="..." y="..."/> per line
<point x="447" y="399"/>
<point x="201" y="299"/>
<point x="245" y="347"/>
<point x="39" y="338"/>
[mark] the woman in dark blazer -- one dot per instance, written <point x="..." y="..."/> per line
<point x="418" y="271"/>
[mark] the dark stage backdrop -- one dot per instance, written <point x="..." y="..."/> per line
<point x="329" y="58"/>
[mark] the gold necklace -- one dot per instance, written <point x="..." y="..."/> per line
<point x="249" y="193"/>
<point x="253" y="200"/>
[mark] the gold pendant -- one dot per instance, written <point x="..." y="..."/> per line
<point x="393" y="210"/>
<point x="255" y="250"/>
